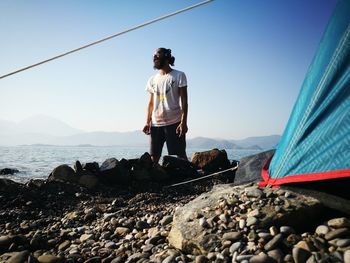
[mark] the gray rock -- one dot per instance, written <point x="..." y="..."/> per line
<point x="252" y="221"/>
<point x="166" y="220"/>
<point x="261" y="258"/>
<point x="235" y="246"/>
<point x="232" y="236"/>
<point x="249" y="169"/>
<point x="274" y="242"/>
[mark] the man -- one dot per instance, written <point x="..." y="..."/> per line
<point x="167" y="107"/>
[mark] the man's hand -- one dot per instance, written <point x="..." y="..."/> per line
<point x="147" y="129"/>
<point x="181" y="129"/>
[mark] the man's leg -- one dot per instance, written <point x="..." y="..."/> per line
<point x="176" y="145"/>
<point x="157" y="141"/>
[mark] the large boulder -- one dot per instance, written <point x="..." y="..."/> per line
<point x="194" y="225"/>
<point x="211" y="161"/>
<point x="63" y="173"/>
<point x="113" y="172"/>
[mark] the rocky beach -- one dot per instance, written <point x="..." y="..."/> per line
<point x="85" y="214"/>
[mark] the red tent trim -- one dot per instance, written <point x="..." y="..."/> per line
<point x="297" y="178"/>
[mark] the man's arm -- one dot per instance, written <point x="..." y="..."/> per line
<point x="182" y="128"/>
<point x="147" y="127"/>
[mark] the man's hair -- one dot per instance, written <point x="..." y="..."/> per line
<point x="167" y="54"/>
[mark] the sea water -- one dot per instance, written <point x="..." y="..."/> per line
<point x="37" y="161"/>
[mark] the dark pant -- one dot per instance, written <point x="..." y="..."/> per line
<point x="176" y="145"/>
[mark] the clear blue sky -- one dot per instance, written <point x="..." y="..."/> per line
<point x="245" y="61"/>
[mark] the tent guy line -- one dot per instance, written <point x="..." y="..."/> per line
<point x="108" y="38"/>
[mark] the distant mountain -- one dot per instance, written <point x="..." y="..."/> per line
<point x="264" y="142"/>
<point x="209" y="143"/>
<point x="256" y="143"/>
<point x="50" y="131"/>
<point x="38" y="124"/>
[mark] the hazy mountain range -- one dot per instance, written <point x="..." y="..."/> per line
<point x="48" y="130"/>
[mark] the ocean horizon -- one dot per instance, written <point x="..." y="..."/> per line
<point x="38" y="161"/>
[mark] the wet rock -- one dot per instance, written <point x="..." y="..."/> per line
<point x="7" y="171"/>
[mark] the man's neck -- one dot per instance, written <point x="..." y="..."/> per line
<point x="165" y="70"/>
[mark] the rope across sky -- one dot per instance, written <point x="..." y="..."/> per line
<point x="107" y="38"/>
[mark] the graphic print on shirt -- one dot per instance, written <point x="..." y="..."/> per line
<point x="162" y="92"/>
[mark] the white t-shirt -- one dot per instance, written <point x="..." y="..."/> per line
<point x="165" y="88"/>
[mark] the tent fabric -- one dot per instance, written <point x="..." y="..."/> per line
<point x="316" y="142"/>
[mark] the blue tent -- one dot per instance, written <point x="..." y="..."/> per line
<point x="316" y="142"/>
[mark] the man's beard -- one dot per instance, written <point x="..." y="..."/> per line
<point x="160" y="64"/>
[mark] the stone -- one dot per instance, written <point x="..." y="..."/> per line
<point x="113" y="172"/>
<point x="276" y="254"/>
<point x="159" y="174"/>
<point x="19" y="257"/>
<point x="261" y="258"/>
<point x="88" y="180"/>
<point x="49" y="259"/>
<point x="337" y="233"/>
<point x="232" y="236"/>
<point x="254" y="192"/>
<point x="300" y="255"/>
<point x="201" y="259"/>
<point x="322" y="230"/>
<point x="210" y="161"/>
<point x="92" y="167"/>
<point x="339" y="222"/>
<point x="7" y="171"/>
<point x="249" y="169"/>
<point x="304" y="245"/>
<point x="63" y="173"/>
<point x="347" y="256"/>
<point x="274" y="242"/>
<point x="5" y="242"/>
<point x="85" y="237"/>
<point x="252" y="221"/>
<point x="64" y="245"/>
<point x="78" y="167"/>
<point x="166" y="220"/>
<point x="235" y="246"/>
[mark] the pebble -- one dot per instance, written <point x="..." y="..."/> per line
<point x="347" y="256"/>
<point x="274" y="242"/>
<point x="300" y="255"/>
<point x="322" y="230"/>
<point x="140" y="234"/>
